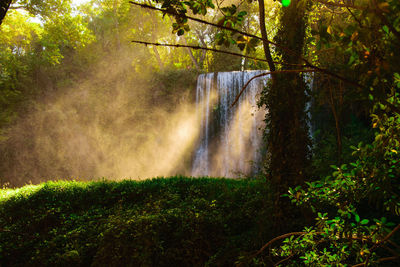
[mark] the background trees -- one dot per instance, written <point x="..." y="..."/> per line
<point x="76" y="76"/>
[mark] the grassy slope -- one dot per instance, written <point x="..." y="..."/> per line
<point x="160" y="222"/>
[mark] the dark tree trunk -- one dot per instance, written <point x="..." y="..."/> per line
<point x="285" y="99"/>
<point x="4" y="6"/>
<point x="267" y="51"/>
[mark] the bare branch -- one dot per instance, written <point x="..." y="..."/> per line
<point x="200" y="47"/>
<point x="355" y="17"/>
<point x="214" y="50"/>
<point x="267" y="73"/>
<point x="387" y="237"/>
<point x="380" y="243"/>
<point x="276" y="239"/>
<point x="285" y="259"/>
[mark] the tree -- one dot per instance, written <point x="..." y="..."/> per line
<point x="285" y="99"/>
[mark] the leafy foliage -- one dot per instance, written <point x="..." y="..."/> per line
<point x="163" y="222"/>
<point x="358" y="198"/>
<point x="357" y="207"/>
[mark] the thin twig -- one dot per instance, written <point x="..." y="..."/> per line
<point x="271" y="242"/>
<point x="386" y="238"/>
<point x="380" y="243"/>
<point x="355" y="17"/>
<point x="285" y="259"/>
<point x="276" y="239"/>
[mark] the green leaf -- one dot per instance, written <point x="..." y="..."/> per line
<point x="365" y="221"/>
<point x="385" y="28"/>
<point x="352" y="59"/>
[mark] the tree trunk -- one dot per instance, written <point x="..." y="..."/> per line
<point x="267" y="51"/>
<point x="4" y="6"/>
<point x="285" y="99"/>
<point x="196" y="65"/>
<point x="157" y="55"/>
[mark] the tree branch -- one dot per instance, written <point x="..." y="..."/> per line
<point x="355" y="17"/>
<point x="276" y="239"/>
<point x="199" y="47"/>
<point x="386" y="237"/>
<point x="380" y="243"/>
<point x="282" y="261"/>
<point x="264" y="74"/>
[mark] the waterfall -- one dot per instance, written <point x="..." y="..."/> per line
<point x="230" y="137"/>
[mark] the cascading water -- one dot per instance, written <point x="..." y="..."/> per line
<point x="230" y="137"/>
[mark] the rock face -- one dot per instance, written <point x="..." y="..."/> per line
<point x="231" y="137"/>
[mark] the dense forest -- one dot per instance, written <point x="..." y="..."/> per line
<point x="96" y="95"/>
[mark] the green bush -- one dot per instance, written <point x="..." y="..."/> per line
<point x="161" y="222"/>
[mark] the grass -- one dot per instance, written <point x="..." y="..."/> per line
<point x="175" y="221"/>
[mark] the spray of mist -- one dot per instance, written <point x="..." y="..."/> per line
<point x="110" y="125"/>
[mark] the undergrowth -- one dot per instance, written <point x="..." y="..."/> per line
<point x="174" y="221"/>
